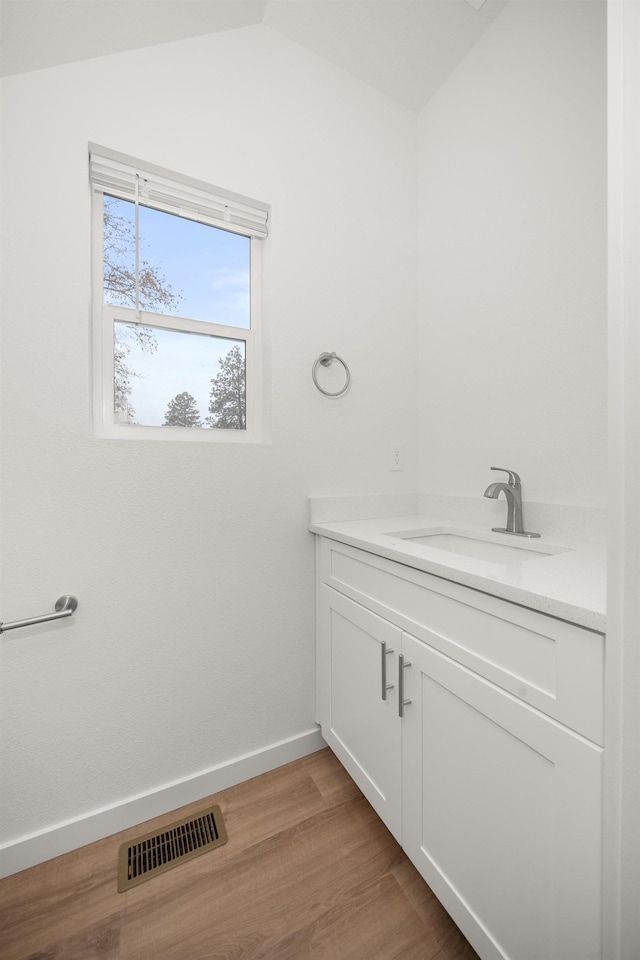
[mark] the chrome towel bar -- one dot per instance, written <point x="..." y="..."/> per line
<point x="65" y="606"/>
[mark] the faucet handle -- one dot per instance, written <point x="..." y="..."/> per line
<point x="514" y="479"/>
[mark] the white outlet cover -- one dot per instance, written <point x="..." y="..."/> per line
<point x="396" y="457"/>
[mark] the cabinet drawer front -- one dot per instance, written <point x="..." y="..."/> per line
<point x="554" y="666"/>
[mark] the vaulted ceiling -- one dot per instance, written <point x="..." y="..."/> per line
<point x="404" y="48"/>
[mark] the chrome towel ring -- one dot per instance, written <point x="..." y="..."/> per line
<point x="326" y="359"/>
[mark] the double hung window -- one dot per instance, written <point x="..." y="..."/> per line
<point x="176" y="289"/>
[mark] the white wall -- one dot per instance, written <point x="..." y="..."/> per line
<point x="622" y="666"/>
<point x="513" y="260"/>
<point x="193" y="641"/>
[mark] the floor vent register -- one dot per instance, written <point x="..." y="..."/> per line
<point x="155" y="853"/>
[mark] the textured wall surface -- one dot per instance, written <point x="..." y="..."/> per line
<point x="193" y="642"/>
<point x="513" y="260"/>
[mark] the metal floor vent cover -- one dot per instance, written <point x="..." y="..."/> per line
<point x="157" y="852"/>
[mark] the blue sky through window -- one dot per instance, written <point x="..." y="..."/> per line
<point x="207" y="268"/>
<point x="208" y="273"/>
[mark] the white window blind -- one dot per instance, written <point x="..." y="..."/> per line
<point x="124" y="177"/>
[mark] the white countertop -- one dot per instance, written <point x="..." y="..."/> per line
<point x="570" y="585"/>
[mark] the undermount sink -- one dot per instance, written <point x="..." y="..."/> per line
<point x="477" y="546"/>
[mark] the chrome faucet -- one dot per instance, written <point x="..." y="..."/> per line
<point x="513" y="492"/>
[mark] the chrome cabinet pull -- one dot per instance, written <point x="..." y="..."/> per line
<point x="384" y="653"/>
<point x="402" y="666"/>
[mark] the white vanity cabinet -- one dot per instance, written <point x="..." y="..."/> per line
<point x="358" y="652"/>
<point x="490" y="773"/>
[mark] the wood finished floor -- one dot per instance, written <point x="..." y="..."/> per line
<point x="309" y="873"/>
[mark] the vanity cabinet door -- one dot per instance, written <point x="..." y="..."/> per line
<point x="501" y="814"/>
<point x="359" y="719"/>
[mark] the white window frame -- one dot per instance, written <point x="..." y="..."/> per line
<point x="106" y="315"/>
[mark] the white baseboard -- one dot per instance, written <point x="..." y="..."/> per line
<point x="37" y="847"/>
